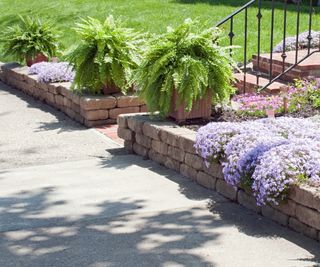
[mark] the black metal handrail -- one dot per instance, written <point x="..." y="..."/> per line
<point x="258" y="72"/>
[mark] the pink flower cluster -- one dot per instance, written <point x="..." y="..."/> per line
<point x="257" y="104"/>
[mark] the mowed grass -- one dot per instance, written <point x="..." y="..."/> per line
<point x="155" y="15"/>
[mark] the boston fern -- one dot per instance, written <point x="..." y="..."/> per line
<point x="106" y="56"/>
<point x="186" y="59"/>
<point x="29" y="38"/>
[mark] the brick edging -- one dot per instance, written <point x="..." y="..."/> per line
<point x="88" y="110"/>
<point x="173" y="146"/>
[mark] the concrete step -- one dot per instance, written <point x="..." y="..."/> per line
<point x="309" y="67"/>
<point x="248" y="84"/>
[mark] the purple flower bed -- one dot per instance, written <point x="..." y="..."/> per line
<point x="50" y="72"/>
<point x="266" y="155"/>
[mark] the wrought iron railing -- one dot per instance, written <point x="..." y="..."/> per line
<point x="259" y="16"/>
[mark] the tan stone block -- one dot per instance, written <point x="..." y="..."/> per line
<point x="194" y="161"/>
<point x="59" y="100"/>
<point x="159" y="147"/>
<point x="214" y="169"/>
<point x="128" y="100"/>
<point x="67" y="102"/>
<point x="50" y="98"/>
<point x="248" y="201"/>
<point x="308" y="216"/>
<point x="302" y="228"/>
<point x="156" y="157"/>
<point x="206" y="180"/>
<point x="143" y="140"/>
<point x="42" y="95"/>
<point x="128" y="145"/>
<point x="94" y="115"/>
<point x="43" y="86"/>
<point x="288" y="208"/>
<point x="151" y="131"/>
<point x="226" y="190"/>
<point x="75" y="99"/>
<point x="176" y="153"/>
<point x="172" y="164"/>
<point x="171" y="135"/>
<point x="115" y="112"/>
<point x="189" y="172"/>
<point x="65" y="90"/>
<point x="135" y="123"/>
<point x="32" y="80"/>
<point x="97" y="102"/>
<point x="306" y="195"/>
<point x="125" y="134"/>
<point x="70" y="113"/>
<point x="122" y="121"/>
<point x="53" y="88"/>
<point x="186" y="143"/>
<point x="275" y="215"/>
<point x="76" y="108"/>
<point x="140" y="150"/>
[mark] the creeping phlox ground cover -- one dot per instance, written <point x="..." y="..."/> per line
<point x="50" y="72"/>
<point x="266" y="155"/>
<point x="301" y="94"/>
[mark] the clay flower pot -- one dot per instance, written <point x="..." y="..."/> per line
<point x="110" y="89"/>
<point x="201" y="108"/>
<point x="37" y="59"/>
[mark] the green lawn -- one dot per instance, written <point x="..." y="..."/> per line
<point x="152" y="15"/>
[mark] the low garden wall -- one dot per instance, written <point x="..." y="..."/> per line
<point x="173" y="146"/>
<point x="88" y="110"/>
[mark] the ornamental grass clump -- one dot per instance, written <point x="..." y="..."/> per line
<point x="266" y="156"/>
<point x="106" y="56"/>
<point x="189" y="60"/>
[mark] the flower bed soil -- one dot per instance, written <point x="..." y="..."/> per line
<point x="88" y="110"/>
<point x="172" y="146"/>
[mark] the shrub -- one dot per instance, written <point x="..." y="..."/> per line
<point x="30" y="38"/>
<point x="187" y="60"/>
<point x="106" y="56"/>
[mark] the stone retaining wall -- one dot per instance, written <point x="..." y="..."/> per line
<point x="173" y="146"/>
<point x="88" y="110"/>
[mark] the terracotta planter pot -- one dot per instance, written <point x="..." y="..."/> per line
<point x="37" y="59"/>
<point x="110" y="89"/>
<point x="200" y="109"/>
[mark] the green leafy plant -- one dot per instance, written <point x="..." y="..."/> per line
<point x="189" y="60"/>
<point x="29" y="38"/>
<point x="106" y="56"/>
<point x="303" y="93"/>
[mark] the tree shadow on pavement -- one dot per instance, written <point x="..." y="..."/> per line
<point x="123" y="239"/>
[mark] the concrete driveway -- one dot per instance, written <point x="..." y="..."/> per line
<point x="71" y="197"/>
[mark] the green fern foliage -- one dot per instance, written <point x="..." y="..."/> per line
<point x="187" y="59"/>
<point x="107" y="55"/>
<point x="29" y="38"/>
